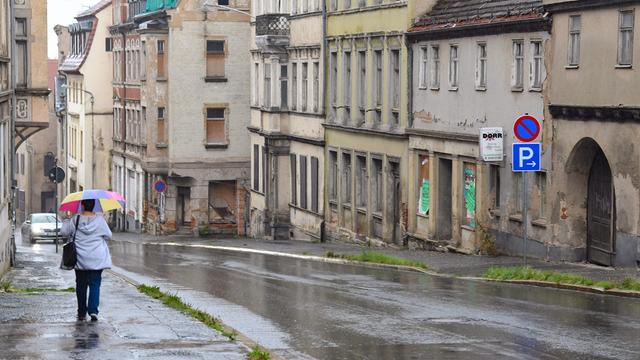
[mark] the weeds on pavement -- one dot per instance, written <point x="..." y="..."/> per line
<point x="7" y="287"/>
<point x="258" y="353"/>
<point x="527" y="273"/>
<point x="173" y="301"/>
<point x="377" y="258"/>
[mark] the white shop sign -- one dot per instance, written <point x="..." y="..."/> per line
<point x="491" y="144"/>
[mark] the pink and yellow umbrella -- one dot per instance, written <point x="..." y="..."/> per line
<point x="105" y="201"/>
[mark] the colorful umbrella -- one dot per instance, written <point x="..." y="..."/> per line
<point x="105" y="201"/>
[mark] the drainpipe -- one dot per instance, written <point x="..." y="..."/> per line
<point x="324" y="56"/>
<point x="12" y="127"/>
<point x="409" y="47"/>
<point x="123" y="123"/>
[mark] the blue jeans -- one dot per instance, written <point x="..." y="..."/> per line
<point x="88" y="279"/>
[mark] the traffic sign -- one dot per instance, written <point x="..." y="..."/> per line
<point x="526" y="128"/>
<point x="526" y="157"/>
<point x="160" y="186"/>
<point x="56" y="175"/>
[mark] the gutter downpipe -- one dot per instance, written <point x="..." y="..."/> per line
<point x="12" y="128"/>
<point x="123" y="130"/>
<point x="324" y="100"/>
<point x="408" y="44"/>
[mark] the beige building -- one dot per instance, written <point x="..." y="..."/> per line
<point x="594" y="106"/>
<point x="182" y="108"/>
<point x="23" y="98"/>
<point x="88" y="121"/>
<point x="287" y="112"/>
<point x="476" y="66"/>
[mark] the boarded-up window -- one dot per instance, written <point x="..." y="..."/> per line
<point x="215" y="58"/>
<point x="215" y="125"/>
<point x="376" y="185"/>
<point x="284" y="69"/>
<point x="469" y="177"/>
<point x="264" y="170"/>
<point x="294" y="179"/>
<point x="423" y="203"/>
<point x="314" y="184"/>
<point x="161" y="125"/>
<point x="303" y="182"/>
<point x="361" y="182"/>
<point x="333" y="175"/>
<point x="346" y="178"/>
<point x="256" y="167"/>
<point x="161" y="59"/>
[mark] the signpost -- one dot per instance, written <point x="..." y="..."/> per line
<point x="525" y="157"/>
<point x="56" y="175"/>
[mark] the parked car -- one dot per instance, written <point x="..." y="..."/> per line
<point x="41" y="226"/>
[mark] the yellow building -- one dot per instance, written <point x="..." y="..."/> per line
<point x="367" y="107"/>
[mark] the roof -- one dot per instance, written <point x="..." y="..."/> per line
<point x="453" y="13"/>
<point x="93" y="10"/>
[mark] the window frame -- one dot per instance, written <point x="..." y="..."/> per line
<point x="434" y="67"/>
<point x="621" y="30"/>
<point x="517" y="84"/>
<point x="454" y="67"/>
<point x="573" y="48"/>
<point x="225" y="138"/>
<point x="424" y="67"/>
<point x="481" y="66"/>
<point x="215" y="55"/>
<point x="537" y="65"/>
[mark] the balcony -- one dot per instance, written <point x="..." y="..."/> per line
<point x="272" y="31"/>
<point x="136" y="7"/>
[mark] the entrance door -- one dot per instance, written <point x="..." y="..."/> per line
<point x="444" y="206"/>
<point x="600" y="213"/>
<point x="181" y="205"/>
<point x="395" y="200"/>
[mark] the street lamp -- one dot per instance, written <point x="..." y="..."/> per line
<point x="93" y="147"/>
<point x="208" y="4"/>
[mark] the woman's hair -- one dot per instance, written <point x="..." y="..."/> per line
<point x="88" y="205"/>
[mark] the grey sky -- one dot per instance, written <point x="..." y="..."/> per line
<point x="62" y="12"/>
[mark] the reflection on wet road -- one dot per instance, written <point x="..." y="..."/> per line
<point x="329" y="311"/>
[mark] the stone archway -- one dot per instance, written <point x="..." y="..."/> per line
<point x="592" y="185"/>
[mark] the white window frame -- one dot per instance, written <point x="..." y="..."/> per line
<point x="517" y="73"/>
<point x="424" y="58"/>
<point x="536" y="65"/>
<point x="481" y="66"/>
<point x="435" y="67"/>
<point x="625" y="49"/>
<point x="454" y="67"/>
<point x="573" y="47"/>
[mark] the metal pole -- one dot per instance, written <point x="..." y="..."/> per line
<point x="524" y="217"/>
<point x="55" y="181"/>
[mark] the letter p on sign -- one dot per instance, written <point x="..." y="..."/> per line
<point x="526" y="157"/>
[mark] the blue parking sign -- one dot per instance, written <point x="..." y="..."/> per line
<point x="526" y="157"/>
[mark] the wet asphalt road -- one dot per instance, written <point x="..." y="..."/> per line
<point x="306" y="309"/>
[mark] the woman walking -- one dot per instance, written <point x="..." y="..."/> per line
<point x="91" y="237"/>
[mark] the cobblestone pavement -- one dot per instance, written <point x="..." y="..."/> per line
<point x="131" y="325"/>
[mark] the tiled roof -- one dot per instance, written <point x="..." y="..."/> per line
<point x="94" y="9"/>
<point x="451" y="13"/>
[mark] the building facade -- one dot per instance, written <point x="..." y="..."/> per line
<point x="88" y="122"/>
<point x="366" y="115"/>
<point x="595" y="112"/>
<point x="23" y="99"/>
<point x="287" y="112"/>
<point x="476" y="66"/>
<point x="182" y="116"/>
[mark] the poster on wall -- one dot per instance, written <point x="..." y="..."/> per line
<point x="423" y="204"/>
<point x="470" y="194"/>
<point x="491" y="144"/>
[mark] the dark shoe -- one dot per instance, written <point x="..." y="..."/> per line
<point x="82" y="317"/>
<point x="94" y="317"/>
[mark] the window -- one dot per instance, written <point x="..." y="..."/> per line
<point x="223" y="2"/>
<point x="161" y="59"/>
<point x="469" y="188"/>
<point x="573" y="54"/>
<point x="376" y="186"/>
<point x="347" y="86"/>
<point x="453" y="66"/>
<point x="294" y="179"/>
<point x="425" y="185"/>
<point x="303" y="182"/>
<point x="395" y="78"/>
<point x="215" y="58"/>
<point x="333" y="84"/>
<point x="346" y="178"/>
<point x="21" y="27"/>
<point x="377" y="56"/>
<point x="362" y="82"/>
<point x="161" y="125"/>
<point x="625" y="41"/>
<point x="541" y="181"/>
<point x="314" y="184"/>
<point x="435" y="67"/>
<point x="294" y="86"/>
<point x="481" y="67"/>
<point x="333" y="176"/>
<point x="347" y="4"/>
<point x="22" y="57"/>
<point x="264" y="170"/>
<point x="267" y="85"/>
<point x="256" y="84"/>
<point x="334" y="5"/>
<point x="256" y="167"/>
<point x="283" y="86"/>
<point x="216" y="125"/>
<point x="518" y="65"/>
<point x="361" y="181"/>
<point x="423" y="67"/>
<point x="316" y="86"/>
<point x="305" y="85"/>
<point x="536" y="65"/>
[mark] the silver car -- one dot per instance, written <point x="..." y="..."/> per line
<point x="41" y="226"/>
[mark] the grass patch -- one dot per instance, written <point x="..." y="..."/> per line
<point x="527" y="273"/>
<point x="173" y="301"/>
<point x="377" y="258"/>
<point x="258" y="353"/>
<point x="7" y="287"/>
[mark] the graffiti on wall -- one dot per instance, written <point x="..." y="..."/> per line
<point x="470" y="194"/>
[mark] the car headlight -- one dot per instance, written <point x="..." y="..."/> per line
<point x="36" y="230"/>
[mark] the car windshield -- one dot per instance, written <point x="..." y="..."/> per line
<point x="43" y="218"/>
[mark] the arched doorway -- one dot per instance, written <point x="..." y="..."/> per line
<point x="600" y="212"/>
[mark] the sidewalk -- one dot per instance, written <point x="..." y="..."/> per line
<point x="445" y="263"/>
<point x="131" y="325"/>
